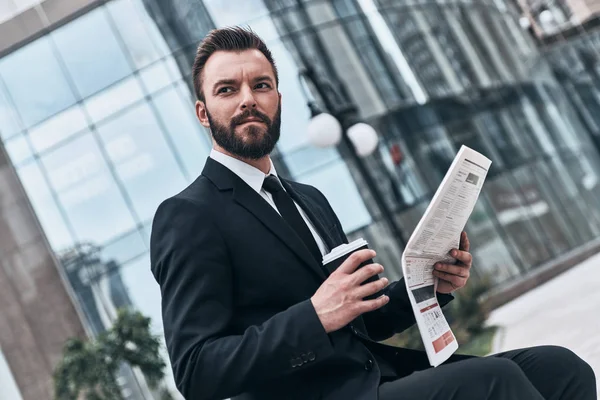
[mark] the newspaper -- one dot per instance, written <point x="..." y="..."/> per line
<point x="437" y="233"/>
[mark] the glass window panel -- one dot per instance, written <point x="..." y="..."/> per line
<point x="541" y="208"/>
<point x="336" y="183"/>
<point x="155" y="77"/>
<point x="89" y="275"/>
<point x="44" y="206"/>
<point x="124" y="248"/>
<point x="309" y="158"/>
<point x="114" y="99"/>
<point x="134" y="285"/>
<point x="136" y="145"/>
<point x="9" y="120"/>
<point x="93" y="203"/>
<point x="18" y="149"/>
<point x="138" y="31"/>
<point x="251" y="12"/>
<point x="511" y="212"/>
<point x="491" y="254"/>
<point x="92" y="67"/>
<point x="37" y="92"/>
<point x="147" y="232"/>
<point x="173" y="68"/>
<point x="57" y="128"/>
<point x="190" y="138"/>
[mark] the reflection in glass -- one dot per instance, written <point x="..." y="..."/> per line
<point x="142" y="159"/>
<point x="92" y="67"/>
<point x="542" y="210"/>
<point x="45" y="207"/>
<point x="101" y="292"/>
<point x="492" y="258"/>
<point x="18" y="149"/>
<point x="114" y="99"/>
<point x="156" y="77"/>
<point x="249" y="12"/>
<point x="514" y="214"/>
<point x="338" y="186"/>
<point x="138" y="32"/>
<point x="308" y="159"/>
<point x="36" y="92"/>
<point x="9" y="120"/>
<point x="86" y="189"/>
<point x="57" y="128"/>
<point x="125" y="248"/>
<point x="189" y="137"/>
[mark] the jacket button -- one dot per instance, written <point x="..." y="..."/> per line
<point x="369" y="365"/>
<point x="311" y="356"/>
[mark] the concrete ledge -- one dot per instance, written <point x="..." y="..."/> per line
<point x="504" y="293"/>
<point x="35" y="22"/>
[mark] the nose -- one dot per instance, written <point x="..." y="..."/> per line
<point x="248" y="100"/>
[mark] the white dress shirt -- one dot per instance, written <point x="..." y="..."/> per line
<point x="255" y="178"/>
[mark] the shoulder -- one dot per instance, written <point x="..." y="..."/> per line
<point x="195" y="202"/>
<point x="307" y="190"/>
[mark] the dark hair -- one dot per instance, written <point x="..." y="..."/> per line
<point x="227" y="39"/>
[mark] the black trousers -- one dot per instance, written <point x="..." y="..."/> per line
<point x="537" y="373"/>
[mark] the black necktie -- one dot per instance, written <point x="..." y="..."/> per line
<point x="291" y="215"/>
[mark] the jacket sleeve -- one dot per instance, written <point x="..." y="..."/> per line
<point x="190" y="261"/>
<point x="397" y="315"/>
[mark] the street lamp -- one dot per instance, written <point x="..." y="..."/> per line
<point x="341" y="124"/>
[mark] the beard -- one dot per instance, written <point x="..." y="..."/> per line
<point x="255" y="142"/>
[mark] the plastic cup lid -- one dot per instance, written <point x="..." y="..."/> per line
<point x="344" y="249"/>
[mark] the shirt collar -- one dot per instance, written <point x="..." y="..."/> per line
<point x="249" y="174"/>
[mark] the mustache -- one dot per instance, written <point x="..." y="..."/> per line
<point x="250" y="113"/>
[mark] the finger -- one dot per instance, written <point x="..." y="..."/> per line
<point x="454" y="280"/>
<point x="457" y="270"/>
<point x="366" y="272"/>
<point x="371" y="305"/>
<point x="462" y="256"/>
<point x="355" y="259"/>
<point x="465" y="245"/>
<point x="371" y="288"/>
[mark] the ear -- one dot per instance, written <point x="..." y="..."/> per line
<point x="201" y="114"/>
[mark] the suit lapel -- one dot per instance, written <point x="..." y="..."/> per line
<point x="245" y="196"/>
<point x="254" y="203"/>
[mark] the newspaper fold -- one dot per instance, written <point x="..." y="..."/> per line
<point x="436" y="234"/>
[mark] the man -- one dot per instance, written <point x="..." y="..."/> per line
<point x="248" y="309"/>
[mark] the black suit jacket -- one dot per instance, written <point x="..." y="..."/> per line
<point x="236" y="283"/>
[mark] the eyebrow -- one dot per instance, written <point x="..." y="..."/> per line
<point x="220" y="82"/>
<point x="224" y="82"/>
<point x="263" y="78"/>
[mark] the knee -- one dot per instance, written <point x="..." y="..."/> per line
<point x="569" y="363"/>
<point x="567" y="360"/>
<point x="498" y="369"/>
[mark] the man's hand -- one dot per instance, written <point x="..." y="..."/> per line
<point x="339" y="300"/>
<point x="455" y="276"/>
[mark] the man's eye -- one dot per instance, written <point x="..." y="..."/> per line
<point x="263" y="85"/>
<point x="226" y="89"/>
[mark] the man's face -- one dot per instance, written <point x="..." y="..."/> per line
<point x="242" y="106"/>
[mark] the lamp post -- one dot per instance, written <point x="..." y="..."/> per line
<point x="342" y="124"/>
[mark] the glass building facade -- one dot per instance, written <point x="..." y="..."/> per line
<point x="97" y="117"/>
